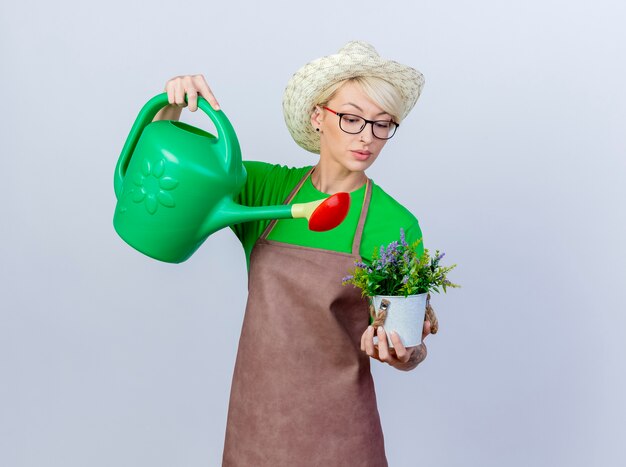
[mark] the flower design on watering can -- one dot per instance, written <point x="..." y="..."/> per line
<point x="152" y="186"/>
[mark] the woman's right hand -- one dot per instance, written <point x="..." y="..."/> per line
<point x="192" y="85"/>
<point x="177" y="88"/>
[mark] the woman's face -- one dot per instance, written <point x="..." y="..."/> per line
<point x="353" y="153"/>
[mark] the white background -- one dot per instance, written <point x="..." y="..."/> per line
<point x="512" y="160"/>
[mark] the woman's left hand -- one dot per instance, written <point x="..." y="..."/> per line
<point x="399" y="356"/>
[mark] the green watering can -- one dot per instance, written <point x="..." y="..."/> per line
<point x="175" y="185"/>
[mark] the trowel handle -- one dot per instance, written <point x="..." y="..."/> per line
<point x="227" y="139"/>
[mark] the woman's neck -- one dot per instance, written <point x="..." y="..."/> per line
<point x="331" y="179"/>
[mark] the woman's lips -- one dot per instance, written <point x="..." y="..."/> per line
<point x="361" y="155"/>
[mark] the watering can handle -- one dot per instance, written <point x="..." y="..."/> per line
<point x="227" y="139"/>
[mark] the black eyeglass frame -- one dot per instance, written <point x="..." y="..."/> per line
<point x="340" y="114"/>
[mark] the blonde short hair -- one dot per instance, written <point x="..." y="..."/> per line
<point x="383" y="93"/>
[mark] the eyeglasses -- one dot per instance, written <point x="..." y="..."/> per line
<point x="354" y="124"/>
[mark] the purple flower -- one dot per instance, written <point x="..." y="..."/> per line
<point x="402" y="239"/>
<point x="361" y="265"/>
<point x="406" y="257"/>
<point x="347" y="278"/>
<point x="405" y="279"/>
<point x="393" y="246"/>
<point x="440" y="256"/>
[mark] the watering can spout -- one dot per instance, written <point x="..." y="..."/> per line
<point x="322" y="215"/>
<point x="230" y="213"/>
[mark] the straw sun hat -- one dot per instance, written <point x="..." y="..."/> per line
<point x="356" y="58"/>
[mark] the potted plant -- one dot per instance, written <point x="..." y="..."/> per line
<point x="398" y="283"/>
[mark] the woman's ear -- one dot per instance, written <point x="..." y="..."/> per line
<point x="316" y="118"/>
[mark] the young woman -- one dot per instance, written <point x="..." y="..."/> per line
<point x="302" y="392"/>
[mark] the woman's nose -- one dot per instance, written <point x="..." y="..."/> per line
<point x="367" y="134"/>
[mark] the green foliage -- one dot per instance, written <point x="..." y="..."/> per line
<point x="397" y="270"/>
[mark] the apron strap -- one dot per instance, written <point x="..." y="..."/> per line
<point x="356" y="244"/>
<point x="271" y="225"/>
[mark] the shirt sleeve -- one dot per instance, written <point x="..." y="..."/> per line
<point x="250" y="195"/>
<point x="413" y="233"/>
<point x="266" y="185"/>
<point x="385" y="218"/>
